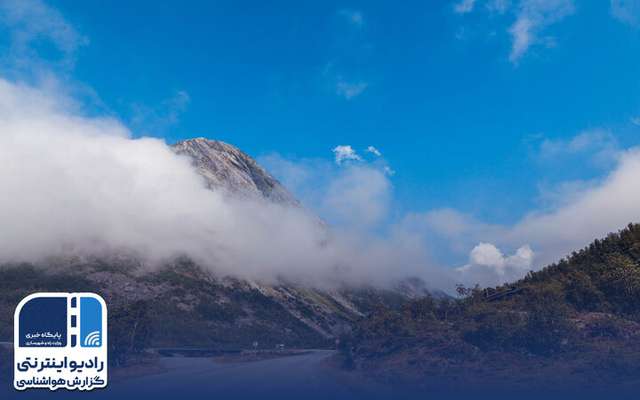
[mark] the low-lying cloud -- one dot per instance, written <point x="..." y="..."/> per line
<point x="488" y="266"/>
<point x="590" y="212"/>
<point x="82" y="184"/>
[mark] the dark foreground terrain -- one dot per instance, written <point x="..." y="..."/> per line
<point x="293" y="375"/>
<point x="572" y="326"/>
<point x="569" y="330"/>
<point x="309" y="375"/>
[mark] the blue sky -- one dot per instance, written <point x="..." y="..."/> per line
<point x="493" y="108"/>
<point x="434" y="89"/>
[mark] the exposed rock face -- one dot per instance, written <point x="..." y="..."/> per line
<point x="226" y="167"/>
<point x="190" y="306"/>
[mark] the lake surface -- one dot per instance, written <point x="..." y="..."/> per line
<point x="300" y="376"/>
<point x="304" y="376"/>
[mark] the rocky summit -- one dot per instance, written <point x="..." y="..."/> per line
<point x="225" y="167"/>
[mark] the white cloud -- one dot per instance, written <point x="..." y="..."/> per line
<point x="373" y="151"/>
<point x="626" y="11"/>
<point x="32" y="21"/>
<point x="532" y="17"/>
<point x="603" y="208"/>
<point x="464" y="6"/>
<point x="583" y="141"/>
<point x="350" y="48"/>
<point x="499" y="6"/>
<point x="599" y="145"/>
<point x="352" y="195"/>
<point x="350" y="90"/>
<point x="356" y="200"/>
<point x="344" y="153"/>
<point x="635" y="121"/>
<point x="594" y="211"/>
<point x="487" y="254"/>
<point x="345" y="194"/>
<point x="554" y="195"/>
<point x="522" y="37"/>
<point x="488" y="266"/>
<point x="83" y="185"/>
<point x="109" y="191"/>
<point x="354" y="17"/>
<point x="359" y="197"/>
<point x="451" y="232"/>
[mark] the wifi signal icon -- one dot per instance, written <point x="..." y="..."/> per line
<point x="92" y="339"/>
<point x="90" y="322"/>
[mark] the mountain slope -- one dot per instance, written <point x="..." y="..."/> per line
<point x="186" y="305"/>
<point x="225" y="167"/>
<point x="603" y="277"/>
<point x="573" y="323"/>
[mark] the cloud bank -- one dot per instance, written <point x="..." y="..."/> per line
<point x="78" y="184"/>
<point x="581" y="216"/>
<point x="81" y="184"/>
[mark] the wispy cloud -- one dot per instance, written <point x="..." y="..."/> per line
<point x="599" y="146"/>
<point x="530" y="20"/>
<point x="344" y="153"/>
<point x="29" y="22"/>
<point x="373" y="151"/>
<point x="355" y="194"/>
<point x="604" y="206"/>
<point x="626" y="11"/>
<point x="532" y="17"/>
<point x="349" y="51"/>
<point x="464" y="6"/>
<point x="522" y="37"/>
<point x="358" y="197"/>
<point x="498" y="6"/>
<point x="350" y="90"/>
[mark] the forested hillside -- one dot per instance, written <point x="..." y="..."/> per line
<point x="572" y="323"/>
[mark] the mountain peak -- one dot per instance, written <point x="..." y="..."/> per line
<point x="226" y="167"/>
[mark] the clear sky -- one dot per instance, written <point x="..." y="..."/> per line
<point x="488" y="107"/>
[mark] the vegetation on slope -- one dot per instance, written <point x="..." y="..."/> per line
<point x="575" y="321"/>
<point x="176" y="306"/>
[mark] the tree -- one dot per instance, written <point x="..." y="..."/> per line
<point x="129" y="331"/>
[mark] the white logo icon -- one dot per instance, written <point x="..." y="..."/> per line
<point x="60" y="342"/>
